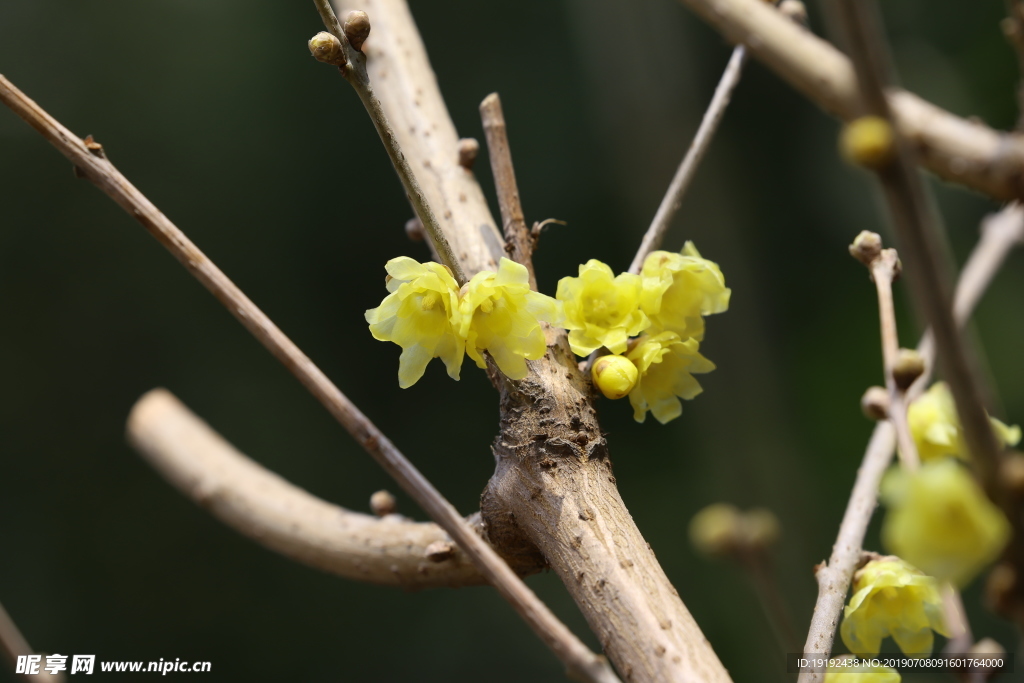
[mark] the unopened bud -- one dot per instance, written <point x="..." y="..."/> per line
<point x="327" y="49"/>
<point x="868" y="141"/>
<point x="716" y="531"/>
<point x="866" y="247"/>
<point x="795" y="10"/>
<point x="875" y="403"/>
<point x="357" y="28"/>
<point x="1012" y="472"/>
<point x="382" y="503"/>
<point x="615" y="376"/>
<point x="414" y="230"/>
<point x="468" y="149"/>
<point x="761" y="528"/>
<point x="908" y="367"/>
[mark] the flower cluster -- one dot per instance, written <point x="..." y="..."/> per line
<point x="940" y="520"/>
<point x="665" y="303"/>
<point x="429" y="316"/>
<point x="936" y="428"/>
<point x="892" y="598"/>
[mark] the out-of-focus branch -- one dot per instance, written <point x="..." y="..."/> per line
<point x="928" y="269"/>
<point x="14" y="645"/>
<point x="684" y="174"/>
<point x="953" y="148"/>
<point x="91" y="163"/>
<point x="518" y="239"/>
<point x="999" y="234"/>
<point x="389" y="550"/>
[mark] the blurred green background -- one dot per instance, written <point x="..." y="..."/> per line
<point x="215" y="110"/>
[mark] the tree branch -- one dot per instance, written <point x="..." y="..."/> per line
<point x="953" y="148"/>
<point x="257" y="503"/>
<point x="1000" y="233"/>
<point x="684" y="174"/>
<point x="518" y="239"/>
<point x="92" y="164"/>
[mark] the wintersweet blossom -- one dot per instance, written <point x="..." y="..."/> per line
<point x="421" y="314"/>
<point x="892" y="598"/>
<point x="666" y="365"/>
<point x="940" y="520"/>
<point x="935" y="426"/>
<point x="680" y="288"/>
<point x="861" y="674"/>
<point x="600" y="308"/>
<point x="500" y="314"/>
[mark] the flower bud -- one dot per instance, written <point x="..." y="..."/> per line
<point x="357" y="28"/>
<point x="875" y="403"/>
<point x="760" y="528"/>
<point x="414" y="230"/>
<point x="615" y="376"/>
<point x="382" y="503"/>
<point x="908" y="367"/>
<point x="327" y="49"/>
<point x="716" y="531"/>
<point x="868" y="141"/>
<point x="468" y="149"/>
<point x="795" y="10"/>
<point x="866" y="247"/>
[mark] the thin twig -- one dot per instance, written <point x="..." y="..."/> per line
<point x="883" y="271"/>
<point x="1000" y="233"/>
<point x="518" y="240"/>
<point x="579" y="660"/>
<point x="928" y="269"/>
<point x="684" y="174"/>
<point x="354" y="72"/>
<point x="202" y="465"/>
<point x="954" y="148"/>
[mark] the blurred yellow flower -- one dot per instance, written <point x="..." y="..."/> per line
<point x="892" y="598"/>
<point x="861" y="674"/>
<point x="935" y="426"/>
<point x="500" y="315"/>
<point x="615" y="376"/>
<point x="940" y="520"/>
<point x="601" y="309"/>
<point x="666" y="365"/>
<point x="679" y="288"/>
<point x="420" y="315"/>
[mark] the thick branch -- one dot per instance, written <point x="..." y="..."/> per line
<point x="89" y="160"/>
<point x="259" y="504"/>
<point x="953" y="148"/>
<point x="651" y="635"/>
<point x="999" y="234"/>
<point x="518" y="240"/>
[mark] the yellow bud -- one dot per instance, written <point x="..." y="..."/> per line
<point x="615" y="376"/>
<point x="866" y="247"/>
<point x="326" y="48"/>
<point x="908" y="367"/>
<point x="867" y="141"/>
<point x="716" y="530"/>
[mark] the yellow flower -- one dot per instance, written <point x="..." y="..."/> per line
<point x="935" y="426"/>
<point x="892" y="598"/>
<point x="666" y="364"/>
<point x="500" y="315"/>
<point x="679" y="288"/>
<point x="601" y="310"/>
<point x="615" y="376"/>
<point x="861" y="674"/>
<point x="419" y="315"/>
<point x="941" y="521"/>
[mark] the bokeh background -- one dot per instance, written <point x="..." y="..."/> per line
<point x="265" y="158"/>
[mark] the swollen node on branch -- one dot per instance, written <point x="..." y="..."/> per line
<point x="327" y="49"/>
<point x="357" y="29"/>
<point x="866" y="247"/>
<point x="908" y="367"/>
<point x="468" y="148"/>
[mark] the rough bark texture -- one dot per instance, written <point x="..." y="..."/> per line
<point x="553" y="489"/>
